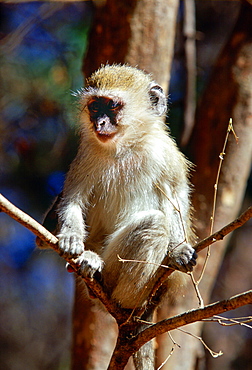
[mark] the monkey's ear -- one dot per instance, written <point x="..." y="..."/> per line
<point x="157" y="99"/>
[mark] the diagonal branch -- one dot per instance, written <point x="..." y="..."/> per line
<point x="191" y="316"/>
<point x="40" y="231"/>
<point x="120" y="357"/>
<point x="219" y="235"/>
<point x="121" y="315"/>
<point x="28" y="222"/>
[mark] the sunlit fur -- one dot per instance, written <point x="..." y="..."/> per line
<point x="127" y="197"/>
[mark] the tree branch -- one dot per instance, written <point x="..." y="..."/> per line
<point x="120" y="358"/>
<point x="219" y="235"/>
<point x="192" y="316"/>
<point x="28" y="222"/>
<point x="132" y="345"/>
<point x="40" y="231"/>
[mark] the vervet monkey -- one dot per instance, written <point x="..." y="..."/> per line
<point x="126" y="193"/>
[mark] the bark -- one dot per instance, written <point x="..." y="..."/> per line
<point x="91" y="346"/>
<point x="140" y="33"/>
<point x="131" y="31"/>
<point x="228" y="95"/>
<point x="189" y="32"/>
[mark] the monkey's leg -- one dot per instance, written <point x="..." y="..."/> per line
<point x="144" y="240"/>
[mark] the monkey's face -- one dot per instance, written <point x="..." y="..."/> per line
<point x="105" y="114"/>
<point x="120" y="104"/>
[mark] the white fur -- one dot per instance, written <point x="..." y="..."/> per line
<point x="114" y="201"/>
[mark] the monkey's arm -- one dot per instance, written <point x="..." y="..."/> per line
<point x="71" y="229"/>
<point x="72" y="235"/>
<point x="67" y="221"/>
<point x="50" y="221"/>
<point x="71" y="211"/>
<point x="176" y="206"/>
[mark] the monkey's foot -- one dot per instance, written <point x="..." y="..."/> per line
<point x="183" y="258"/>
<point x="89" y="263"/>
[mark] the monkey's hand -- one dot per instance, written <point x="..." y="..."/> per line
<point x="70" y="245"/>
<point x="182" y="257"/>
<point x="89" y="263"/>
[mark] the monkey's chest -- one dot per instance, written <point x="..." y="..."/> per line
<point x="105" y="210"/>
<point x="110" y="207"/>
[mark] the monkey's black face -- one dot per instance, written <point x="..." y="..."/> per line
<point x="104" y="115"/>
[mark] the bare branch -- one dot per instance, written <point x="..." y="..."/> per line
<point x="191" y="317"/>
<point x="219" y="235"/>
<point x="212" y="353"/>
<point x="121" y="315"/>
<point x="39" y="230"/>
<point x="227" y="321"/>
<point x="28" y="222"/>
<point x="132" y="345"/>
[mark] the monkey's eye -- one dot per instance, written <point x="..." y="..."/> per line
<point x="113" y="105"/>
<point x="94" y="106"/>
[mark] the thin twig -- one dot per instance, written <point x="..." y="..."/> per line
<point x="221" y="156"/>
<point x="225" y="321"/>
<point x="196" y="287"/>
<point x="175" y="344"/>
<point x="220" y="234"/>
<point x="190" y="317"/>
<point x="212" y="353"/>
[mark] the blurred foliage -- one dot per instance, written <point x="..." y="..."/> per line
<point x="41" y="55"/>
<point x="41" y="51"/>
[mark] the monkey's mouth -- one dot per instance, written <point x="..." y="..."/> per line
<point x="104" y="137"/>
<point x="104" y="131"/>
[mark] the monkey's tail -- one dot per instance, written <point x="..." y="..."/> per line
<point x="145" y="356"/>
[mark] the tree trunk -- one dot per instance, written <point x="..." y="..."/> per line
<point x="139" y="33"/>
<point x="142" y="34"/>
<point x="228" y="95"/>
<point x="94" y="333"/>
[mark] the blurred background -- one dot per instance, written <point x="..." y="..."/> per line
<point x="41" y="52"/>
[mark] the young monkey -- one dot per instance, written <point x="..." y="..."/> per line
<point x="126" y="193"/>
